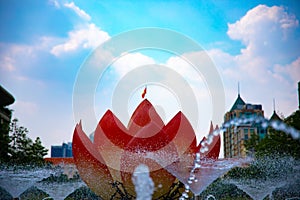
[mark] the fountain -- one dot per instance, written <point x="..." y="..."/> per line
<point x="123" y="165"/>
<point x="59" y="191"/>
<point x="16" y="181"/>
<point x="274" y="173"/>
<point x="144" y="185"/>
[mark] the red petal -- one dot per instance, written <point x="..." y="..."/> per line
<point x="182" y="134"/>
<point x="90" y="165"/>
<point x="110" y="128"/>
<point x="144" y="115"/>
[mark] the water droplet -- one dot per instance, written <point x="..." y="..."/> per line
<point x="197" y="157"/>
<point x="185" y="195"/>
<point x="202" y="150"/>
<point x="197" y="165"/>
<point x="187" y="187"/>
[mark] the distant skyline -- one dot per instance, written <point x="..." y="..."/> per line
<point x="43" y="44"/>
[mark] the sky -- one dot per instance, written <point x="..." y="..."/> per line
<point x="45" y="45"/>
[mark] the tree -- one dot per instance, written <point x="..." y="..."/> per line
<point x="251" y="144"/>
<point x="294" y="120"/>
<point x="279" y="142"/>
<point x="4" y="136"/>
<point x="4" y="142"/>
<point x="22" y="149"/>
<point x="37" y="151"/>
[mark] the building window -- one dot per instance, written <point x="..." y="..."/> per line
<point x="246" y="135"/>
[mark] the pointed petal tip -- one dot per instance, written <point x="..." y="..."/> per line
<point x="179" y="113"/>
<point x="145" y="102"/>
<point x="79" y="124"/>
<point x="108" y="111"/>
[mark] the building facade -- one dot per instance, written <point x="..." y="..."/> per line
<point x="235" y="136"/>
<point x="63" y="151"/>
<point x="6" y="99"/>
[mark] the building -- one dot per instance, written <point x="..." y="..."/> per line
<point x="5" y="116"/>
<point x="299" y="95"/>
<point x="6" y="99"/>
<point x="235" y="135"/>
<point x="63" y="151"/>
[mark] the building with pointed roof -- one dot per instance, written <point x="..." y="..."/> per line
<point x="275" y="116"/>
<point x="238" y="104"/>
<point x="235" y="135"/>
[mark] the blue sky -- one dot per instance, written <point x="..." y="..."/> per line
<point x="44" y="43"/>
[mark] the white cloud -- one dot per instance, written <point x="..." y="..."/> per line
<point x="12" y="55"/>
<point x="266" y="32"/>
<point x="86" y="37"/>
<point x="269" y="64"/>
<point x="130" y="61"/>
<point x="260" y="22"/>
<point x="15" y="57"/>
<point x="290" y="71"/>
<point x="81" y="13"/>
<point x="7" y="63"/>
<point x="263" y="31"/>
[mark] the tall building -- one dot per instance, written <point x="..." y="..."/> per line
<point x="63" y="151"/>
<point x="235" y="136"/>
<point x="299" y="95"/>
<point x="5" y="116"/>
<point x="5" y="100"/>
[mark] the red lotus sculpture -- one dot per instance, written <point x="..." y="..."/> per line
<point x="117" y="150"/>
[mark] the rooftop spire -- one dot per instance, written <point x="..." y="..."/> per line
<point x="239" y="102"/>
<point x="238" y="88"/>
<point x="275" y="116"/>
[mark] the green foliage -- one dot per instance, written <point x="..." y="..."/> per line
<point x="251" y="144"/>
<point x="61" y="178"/>
<point x="277" y="142"/>
<point x="265" y="168"/>
<point x="4" y="142"/>
<point x="37" y="151"/>
<point x="269" y="169"/>
<point x="4" y="136"/>
<point x="294" y="120"/>
<point x="21" y="149"/>
<point x="223" y="191"/>
<point x="20" y="143"/>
